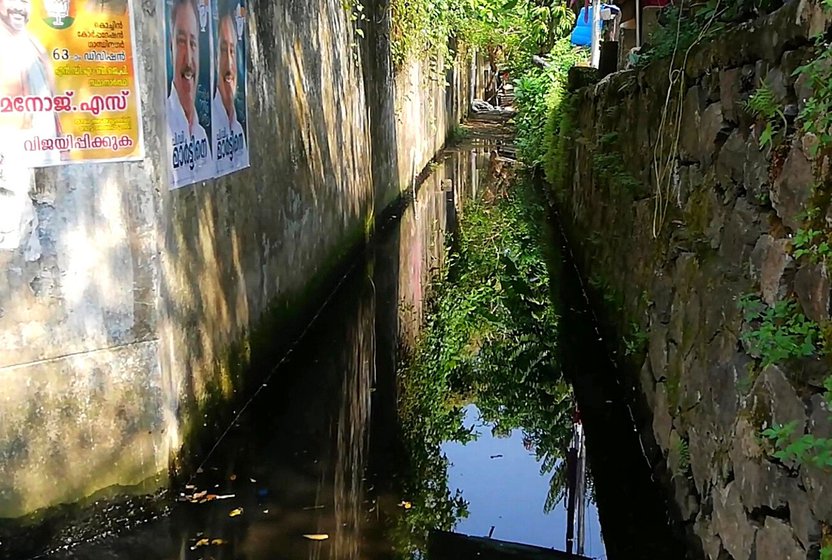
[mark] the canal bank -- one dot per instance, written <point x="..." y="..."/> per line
<point x="133" y="308"/>
<point x="319" y="462"/>
<point x="315" y="451"/>
<point x="705" y="240"/>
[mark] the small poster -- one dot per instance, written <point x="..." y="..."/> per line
<point x="188" y="35"/>
<point x="68" y="87"/>
<point x="228" y="108"/>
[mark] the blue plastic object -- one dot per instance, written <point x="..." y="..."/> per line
<point x="582" y="34"/>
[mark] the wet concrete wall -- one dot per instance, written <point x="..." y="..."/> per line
<point x="675" y="221"/>
<point x="322" y="451"/>
<point x="129" y="312"/>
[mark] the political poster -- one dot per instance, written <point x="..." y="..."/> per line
<point x="188" y="36"/>
<point x="228" y="109"/>
<point x="68" y="87"/>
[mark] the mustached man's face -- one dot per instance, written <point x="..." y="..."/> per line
<point x="15" y="14"/>
<point x="227" y="63"/>
<point x="185" y="57"/>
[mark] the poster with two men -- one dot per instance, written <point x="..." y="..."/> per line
<point x="206" y="104"/>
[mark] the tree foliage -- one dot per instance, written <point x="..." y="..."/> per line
<point x="509" y="31"/>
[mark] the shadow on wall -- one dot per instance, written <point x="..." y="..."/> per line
<point x="244" y="256"/>
<point x="306" y="456"/>
<point x="129" y="314"/>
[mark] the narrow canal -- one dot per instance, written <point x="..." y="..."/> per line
<point x="320" y="463"/>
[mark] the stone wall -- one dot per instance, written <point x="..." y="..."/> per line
<point x="130" y="312"/>
<point x="677" y="212"/>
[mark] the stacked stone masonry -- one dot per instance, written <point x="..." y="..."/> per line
<point x="672" y="261"/>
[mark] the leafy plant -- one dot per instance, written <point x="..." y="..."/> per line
<point x="459" y="133"/>
<point x="827" y="385"/>
<point x="681" y="28"/>
<point x="763" y="104"/>
<point x="806" y="449"/>
<point x="678" y="32"/>
<point x="811" y="243"/>
<point x="538" y="94"/>
<point x="635" y="343"/>
<point x="816" y="115"/>
<point x="511" y="31"/>
<point x="682" y="457"/>
<point x="559" y="136"/>
<point x="779" y="332"/>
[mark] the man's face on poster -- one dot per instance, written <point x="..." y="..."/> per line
<point x="185" y="56"/>
<point x="227" y="62"/>
<point x="15" y="14"/>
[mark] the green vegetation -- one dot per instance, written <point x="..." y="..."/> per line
<point x="422" y="28"/>
<point x="806" y="449"/>
<point x="682" y="28"/>
<point x="636" y="341"/>
<point x="508" y="31"/>
<point x="459" y="133"/>
<point x="676" y="35"/>
<point x="610" y="169"/>
<point x="560" y="137"/>
<point x="490" y="339"/>
<point x="764" y="105"/>
<point x="816" y="116"/>
<point x="539" y="94"/>
<point x="811" y="243"/>
<point x="682" y="466"/>
<point x="511" y="31"/>
<point x="779" y="332"/>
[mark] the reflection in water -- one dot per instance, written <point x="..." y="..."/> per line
<point x="491" y="339"/>
<point x="506" y="491"/>
<point x="352" y="430"/>
<point x="298" y="476"/>
<point x="332" y="461"/>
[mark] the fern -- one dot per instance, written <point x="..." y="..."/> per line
<point x="683" y="463"/>
<point x="763" y="104"/>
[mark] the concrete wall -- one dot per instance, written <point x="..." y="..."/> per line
<point x="671" y="259"/>
<point x="129" y="312"/>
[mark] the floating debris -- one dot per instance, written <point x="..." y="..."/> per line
<point x="235" y="512"/>
<point x="208" y="542"/>
<point x="317" y="537"/>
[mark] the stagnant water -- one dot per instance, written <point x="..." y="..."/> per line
<point x="314" y="467"/>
